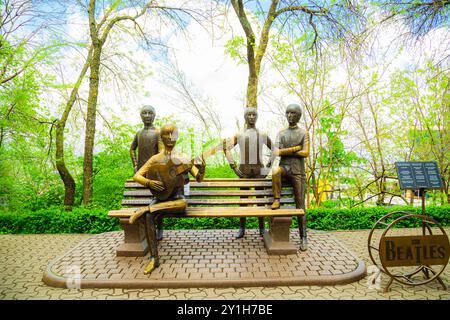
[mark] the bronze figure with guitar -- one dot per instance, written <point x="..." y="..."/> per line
<point x="163" y="175"/>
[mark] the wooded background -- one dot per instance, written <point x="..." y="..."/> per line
<point x="62" y="146"/>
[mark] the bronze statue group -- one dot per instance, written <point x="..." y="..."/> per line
<point x="166" y="173"/>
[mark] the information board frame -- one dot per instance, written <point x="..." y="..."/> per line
<point x="415" y="175"/>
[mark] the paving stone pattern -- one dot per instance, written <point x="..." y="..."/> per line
<point x="212" y="255"/>
<point x="25" y="257"/>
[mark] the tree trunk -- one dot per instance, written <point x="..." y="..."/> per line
<point x="252" y="89"/>
<point x="90" y="123"/>
<point x="66" y="177"/>
<point x="314" y="187"/>
<point x="255" y="53"/>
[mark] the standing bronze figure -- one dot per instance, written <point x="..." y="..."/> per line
<point x="147" y="142"/>
<point x="251" y="142"/>
<point x="164" y="175"/>
<point x="293" y="144"/>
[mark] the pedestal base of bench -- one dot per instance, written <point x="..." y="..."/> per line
<point x="132" y="249"/>
<point x="135" y="243"/>
<point x="276" y="240"/>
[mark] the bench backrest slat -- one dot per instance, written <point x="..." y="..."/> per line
<point x="216" y="192"/>
<point x="216" y="184"/>
<point x="235" y="201"/>
<point x="145" y="193"/>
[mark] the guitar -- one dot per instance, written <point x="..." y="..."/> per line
<point x="170" y="173"/>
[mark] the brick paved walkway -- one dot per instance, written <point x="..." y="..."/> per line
<point x="25" y="257"/>
<point x="208" y="258"/>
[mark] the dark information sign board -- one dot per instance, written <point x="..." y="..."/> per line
<point x="418" y="175"/>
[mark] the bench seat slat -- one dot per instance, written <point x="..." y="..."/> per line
<point x="263" y="212"/>
<point x="221" y="212"/>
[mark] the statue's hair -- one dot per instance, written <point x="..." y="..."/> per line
<point x="294" y="107"/>
<point x="147" y="106"/>
<point x="168" y="128"/>
<point x="247" y="109"/>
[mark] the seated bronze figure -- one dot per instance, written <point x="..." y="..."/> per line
<point x="293" y="148"/>
<point x="163" y="175"/>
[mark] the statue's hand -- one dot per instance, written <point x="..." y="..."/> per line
<point x="238" y="172"/>
<point x="201" y="168"/>
<point x="276" y="152"/>
<point x="155" y="185"/>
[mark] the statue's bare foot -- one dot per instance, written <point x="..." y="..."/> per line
<point x="240" y="233"/>
<point x="276" y="204"/>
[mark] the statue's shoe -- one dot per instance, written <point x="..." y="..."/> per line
<point x="276" y="205"/>
<point x="151" y="266"/>
<point x="303" y="244"/>
<point x="240" y="233"/>
<point x="159" y="234"/>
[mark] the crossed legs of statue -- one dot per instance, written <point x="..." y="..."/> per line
<point x="298" y="182"/>
<point x="157" y="208"/>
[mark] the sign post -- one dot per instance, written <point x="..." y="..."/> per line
<point x="428" y="252"/>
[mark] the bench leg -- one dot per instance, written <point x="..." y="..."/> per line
<point x="135" y="242"/>
<point x="277" y="240"/>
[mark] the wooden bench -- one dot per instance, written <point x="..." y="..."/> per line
<point x="214" y="198"/>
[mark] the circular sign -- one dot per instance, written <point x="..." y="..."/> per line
<point x="409" y="256"/>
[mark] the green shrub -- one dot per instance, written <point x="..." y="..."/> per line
<point x="56" y="220"/>
<point x="95" y="220"/>
<point x="365" y="218"/>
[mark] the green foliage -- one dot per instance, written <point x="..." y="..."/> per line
<point x="112" y="166"/>
<point x="420" y="16"/>
<point x="234" y="47"/>
<point x="95" y="220"/>
<point x="27" y="176"/>
<point x="333" y="153"/>
<point x="222" y="171"/>
<point x="365" y="218"/>
<point x="56" y="220"/>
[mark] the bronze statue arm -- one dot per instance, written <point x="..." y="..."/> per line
<point x="288" y="151"/>
<point x="272" y="154"/>
<point x="304" y="152"/>
<point x="226" y="149"/>
<point x="139" y="177"/>
<point x="301" y="152"/>
<point x="227" y="146"/>
<point x="133" y="148"/>
<point x="198" y="172"/>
